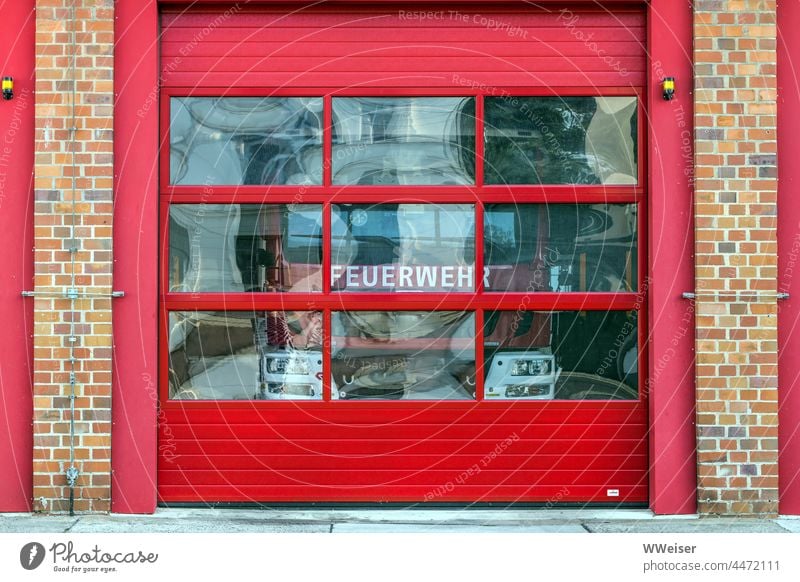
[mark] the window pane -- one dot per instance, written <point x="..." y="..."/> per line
<point x="404" y="140"/>
<point x="245" y="140"/>
<point x="560" y="247"/>
<point x="403" y="247"/>
<point x="245" y="355"/>
<point x="561" y="140"/>
<point x="566" y="355"/>
<point x="410" y="355"/>
<point x="245" y="247"/>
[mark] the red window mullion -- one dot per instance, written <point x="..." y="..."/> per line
<point x="479" y="354"/>
<point x="326" y="248"/>
<point x="326" y="288"/>
<point x="479" y="141"/>
<point x="327" y="141"/>
<point x="327" y="345"/>
<point x="479" y="259"/>
<point x="163" y="249"/>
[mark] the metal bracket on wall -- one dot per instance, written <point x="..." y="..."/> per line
<point x="73" y="294"/>
<point x="735" y="294"/>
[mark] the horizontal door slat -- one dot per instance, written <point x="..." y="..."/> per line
<point x="368" y="49"/>
<point x="549" y="494"/>
<point x="444" y="65"/>
<point x="390" y="478"/>
<point x="406" y="431"/>
<point x="320" y="19"/>
<point x="458" y="462"/>
<point x="514" y="414"/>
<point x="171" y="448"/>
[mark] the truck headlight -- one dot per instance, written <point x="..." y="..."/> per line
<point x="287" y="366"/>
<point x="291" y="389"/>
<point x="523" y="390"/>
<point x="538" y="367"/>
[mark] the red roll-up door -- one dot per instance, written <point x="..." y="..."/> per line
<point x="581" y="438"/>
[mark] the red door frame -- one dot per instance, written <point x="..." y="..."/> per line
<point x="673" y="458"/>
<point x="672" y="444"/>
<point x="16" y="235"/>
<point x="788" y="266"/>
<point x="134" y="391"/>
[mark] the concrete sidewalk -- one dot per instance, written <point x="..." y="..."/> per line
<point x="392" y="520"/>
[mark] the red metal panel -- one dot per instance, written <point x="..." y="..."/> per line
<point x="673" y="485"/>
<point x="135" y="398"/>
<point x="16" y="213"/>
<point x="788" y="253"/>
<point x="408" y="455"/>
<point x="346" y="47"/>
<point x="399" y="451"/>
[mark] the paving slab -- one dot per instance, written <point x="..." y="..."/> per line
<point x="143" y="525"/>
<point x="705" y="525"/>
<point x="466" y="529"/>
<point x="31" y="523"/>
<point x="791" y="524"/>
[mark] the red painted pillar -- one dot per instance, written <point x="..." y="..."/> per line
<point x="16" y="240"/>
<point x="670" y="384"/>
<point x="135" y="396"/>
<point x="788" y="259"/>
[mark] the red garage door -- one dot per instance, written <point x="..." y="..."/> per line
<point x="403" y="256"/>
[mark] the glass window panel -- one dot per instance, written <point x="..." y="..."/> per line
<point x="245" y="355"/>
<point x="403" y="247"/>
<point x="404" y="140"/>
<point x="561" y="140"/>
<point x="564" y="355"/>
<point x="245" y="140"/>
<point x="410" y="355"/>
<point x="560" y="247"/>
<point x="245" y="247"/>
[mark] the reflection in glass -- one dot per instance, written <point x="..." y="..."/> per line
<point x="245" y="247"/>
<point x="245" y="355"/>
<point x="560" y="247"/>
<point x="404" y="140"/>
<point x="403" y="247"/>
<point x="245" y="140"/>
<point x="412" y="355"/>
<point x="561" y="140"/>
<point x="564" y="355"/>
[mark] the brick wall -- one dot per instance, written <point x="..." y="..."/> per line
<point x="64" y="328"/>
<point x="736" y="256"/>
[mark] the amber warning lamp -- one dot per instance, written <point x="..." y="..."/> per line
<point x="8" y="88"/>
<point x="668" y="88"/>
